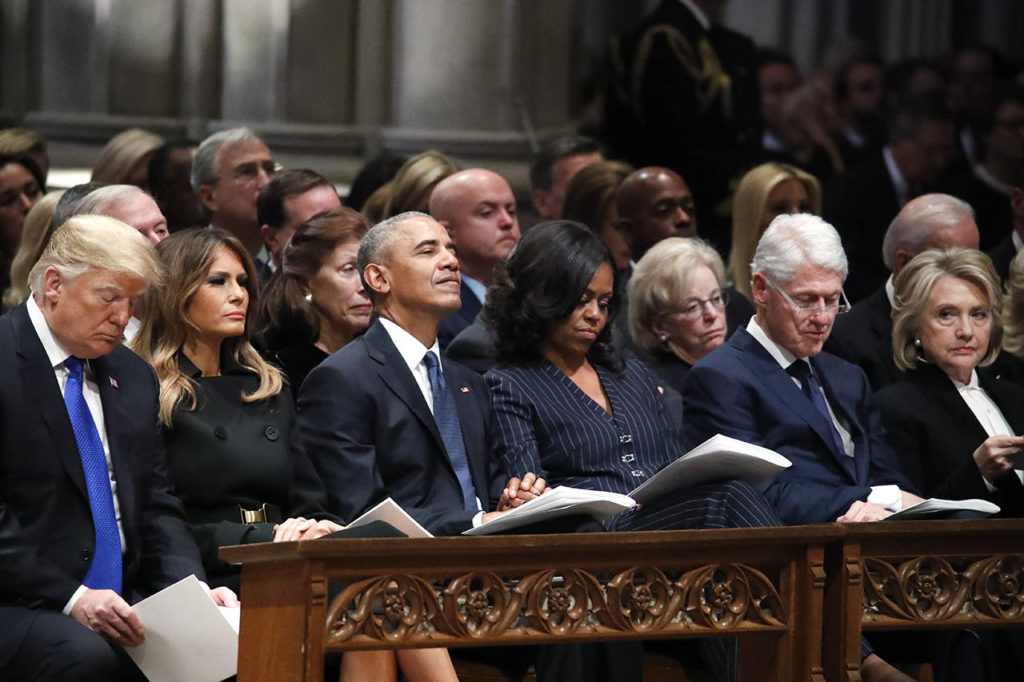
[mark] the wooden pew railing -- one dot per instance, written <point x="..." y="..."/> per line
<point x="797" y="597"/>
<point x="764" y="585"/>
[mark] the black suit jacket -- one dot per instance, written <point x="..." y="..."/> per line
<point x="860" y="204"/>
<point x="46" y="529"/>
<point x="370" y="434"/>
<point x="1002" y="254"/>
<point x="934" y="432"/>
<point x="863" y="336"/>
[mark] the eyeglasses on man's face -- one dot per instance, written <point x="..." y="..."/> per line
<point x="809" y="305"/>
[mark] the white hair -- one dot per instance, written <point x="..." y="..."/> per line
<point x="913" y="227"/>
<point x="99" y="201"/>
<point x="792" y="240"/>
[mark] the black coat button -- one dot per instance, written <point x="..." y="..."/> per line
<point x="86" y="554"/>
<point x="271" y="433"/>
<point x="221" y="432"/>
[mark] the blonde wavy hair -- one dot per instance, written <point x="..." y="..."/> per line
<point x="1013" y="308"/>
<point x="748" y="206"/>
<point x="122" y="153"/>
<point x="166" y="326"/>
<point x="35" y="235"/>
<point x="914" y="287"/>
<point x="410" y="189"/>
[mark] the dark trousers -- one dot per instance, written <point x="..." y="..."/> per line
<point x="58" y="648"/>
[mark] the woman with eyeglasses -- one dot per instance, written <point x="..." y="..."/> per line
<point x="955" y="426"/>
<point x="677" y="306"/>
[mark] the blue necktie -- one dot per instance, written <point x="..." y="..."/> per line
<point x="801" y="370"/>
<point x="451" y="433"/>
<point x="105" y="569"/>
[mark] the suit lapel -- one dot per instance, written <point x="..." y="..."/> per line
<point x="467" y="406"/>
<point x="778" y="381"/>
<point x="41" y="383"/>
<point x="115" y="418"/>
<point x="396" y="376"/>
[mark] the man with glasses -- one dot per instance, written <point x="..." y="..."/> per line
<point x="229" y="170"/>
<point x="771" y="385"/>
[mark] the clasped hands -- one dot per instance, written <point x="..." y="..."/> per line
<point x="516" y="492"/>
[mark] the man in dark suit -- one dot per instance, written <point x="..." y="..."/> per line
<point x="864" y="335"/>
<point x="770" y="384"/>
<point x="88" y="523"/>
<point x="368" y="415"/>
<point x="479" y="210"/>
<point x="1003" y="253"/>
<point x="862" y="201"/>
<point x="683" y="92"/>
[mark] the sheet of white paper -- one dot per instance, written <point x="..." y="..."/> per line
<point x="934" y="506"/>
<point x="718" y="458"/>
<point x="557" y="502"/>
<point x="389" y="512"/>
<point x="187" y="637"/>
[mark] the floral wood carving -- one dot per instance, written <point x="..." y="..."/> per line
<point x="557" y="602"/>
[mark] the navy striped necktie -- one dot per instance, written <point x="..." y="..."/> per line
<point x="105" y="570"/>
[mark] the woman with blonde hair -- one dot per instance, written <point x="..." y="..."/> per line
<point x="764" y="193"/>
<point x="677" y="306"/>
<point x="411" y="187"/>
<point x="228" y="422"/>
<point x="124" y="160"/>
<point x="35" y="235"/>
<point x="955" y="426"/>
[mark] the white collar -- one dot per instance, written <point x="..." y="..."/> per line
<point x="54" y="350"/>
<point x="698" y="14"/>
<point x="890" y="291"/>
<point x="781" y="355"/>
<point x="1018" y="243"/>
<point x="992" y="181"/>
<point x="973" y="383"/>
<point x="409" y="347"/>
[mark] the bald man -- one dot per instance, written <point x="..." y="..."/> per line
<point x="655" y="203"/>
<point x="479" y="210"/>
<point x="864" y="335"/>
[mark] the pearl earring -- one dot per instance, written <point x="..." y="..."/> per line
<point x="917" y="342"/>
<point x="309" y="298"/>
<point x="664" y="338"/>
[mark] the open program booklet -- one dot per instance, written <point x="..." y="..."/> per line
<point x="719" y="458"/>
<point x="555" y="503"/>
<point x="936" y="507"/>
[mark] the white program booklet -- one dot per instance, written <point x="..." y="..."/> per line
<point x="934" y="506"/>
<point x="188" y="637"/>
<point x="557" y="502"/>
<point x="718" y="458"/>
<point x="389" y="512"/>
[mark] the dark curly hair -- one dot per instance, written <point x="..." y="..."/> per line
<point x="540" y="285"/>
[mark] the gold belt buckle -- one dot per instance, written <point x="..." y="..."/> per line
<point x="254" y="515"/>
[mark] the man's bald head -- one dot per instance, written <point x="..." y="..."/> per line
<point x="479" y="210"/>
<point x="654" y="203"/>
<point x="931" y="221"/>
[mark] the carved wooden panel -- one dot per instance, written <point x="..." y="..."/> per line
<point x="484" y="606"/>
<point x="933" y="589"/>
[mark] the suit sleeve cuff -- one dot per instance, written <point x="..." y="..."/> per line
<point x="74" y="599"/>
<point x="478" y="519"/>
<point x="887" y="496"/>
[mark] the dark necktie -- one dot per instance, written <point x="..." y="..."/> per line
<point x="451" y="433"/>
<point x="105" y="570"/>
<point x="801" y="370"/>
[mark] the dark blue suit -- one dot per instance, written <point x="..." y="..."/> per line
<point x="46" y="528"/>
<point x="365" y="425"/>
<point x="460" y="319"/>
<point x="740" y="390"/>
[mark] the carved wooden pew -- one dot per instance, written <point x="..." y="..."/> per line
<point x="765" y="585"/>
<point x="920" y="575"/>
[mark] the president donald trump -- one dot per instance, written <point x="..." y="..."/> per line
<point x="88" y="524"/>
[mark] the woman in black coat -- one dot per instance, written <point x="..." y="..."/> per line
<point x="228" y="423"/>
<point x="953" y="424"/>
